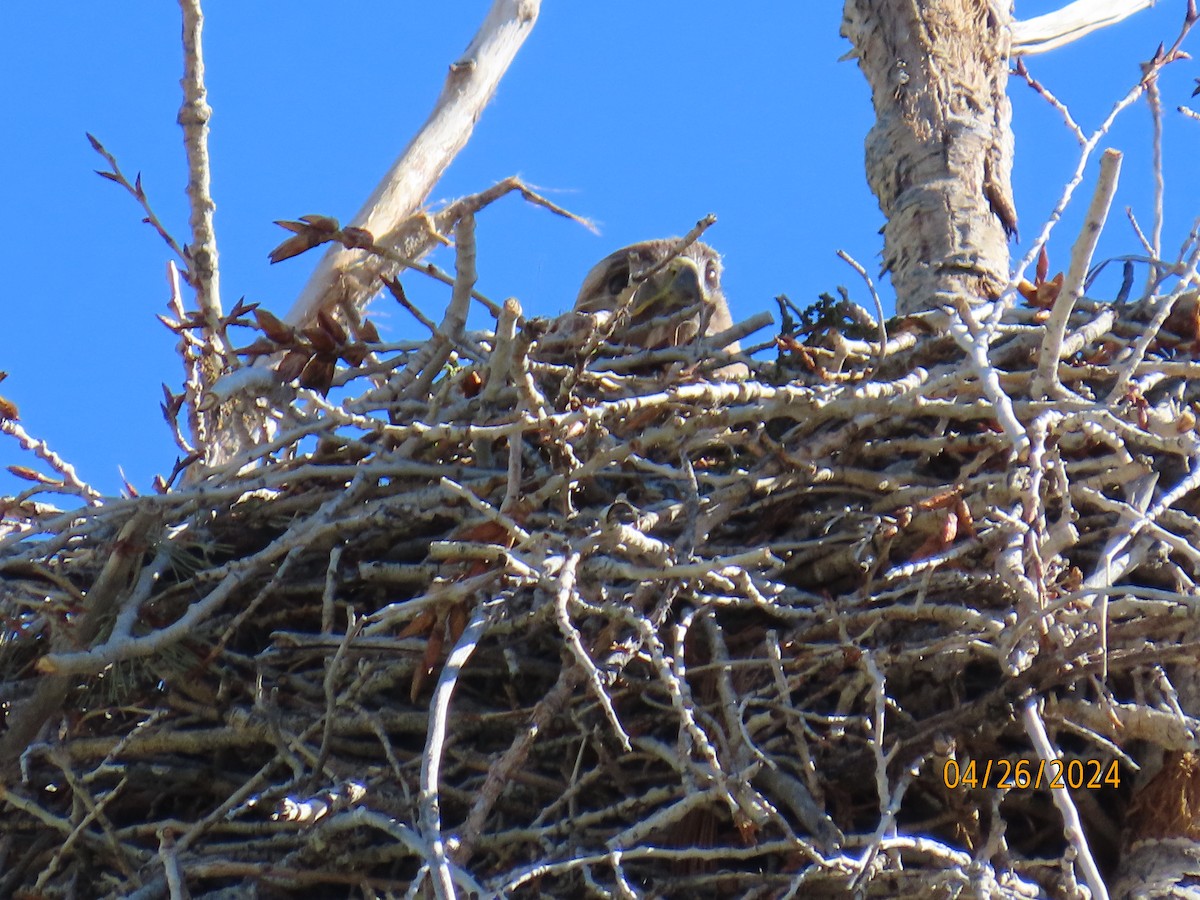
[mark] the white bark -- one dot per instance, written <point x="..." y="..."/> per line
<point x="1073" y="21"/>
<point x="349" y="275"/>
<point x="940" y="155"/>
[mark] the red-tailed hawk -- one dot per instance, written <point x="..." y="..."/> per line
<point x="661" y="301"/>
<point x="668" y="307"/>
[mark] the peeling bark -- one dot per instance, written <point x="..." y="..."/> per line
<point x="939" y="157"/>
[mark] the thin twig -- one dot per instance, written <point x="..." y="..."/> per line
<point x="1046" y="383"/>
<point x="194" y="116"/>
<point x="1036" y="729"/>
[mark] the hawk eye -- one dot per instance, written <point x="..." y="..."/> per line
<point x="618" y="280"/>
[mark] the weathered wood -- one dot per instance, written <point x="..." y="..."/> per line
<point x="349" y="276"/>
<point x="1070" y="23"/>
<point x="939" y="157"/>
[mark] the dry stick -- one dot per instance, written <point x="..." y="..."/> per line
<point x="890" y="798"/>
<point x="1045" y="382"/>
<point x="1032" y="508"/>
<point x="1088" y="145"/>
<point x="705" y="350"/>
<point x="566" y="591"/>
<point x="176" y="884"/>
<point x="415" y="236"/>
<point x="401" y="834"/>
<point x="693" y="235"/>
<point x="672" y="675"/>
<point x="1131" y="363"/>
<point x="785" y="848"/>
<point x="506" y="356"/>
<point x="193" y="117"/>
<point x="71" y="483"/>
<point x="26" y="720"/>
<point x="329" y="594"/>
<point x="733" y="711"/>
<point x="1154" y="101"/>
<point x="252" y="784"/>
<point x="974" y="341"/>
<point x="500" y="772"/>
<point x="330" y="517"/>
<point x="1114" y="561"/>
<point x="649" y="824"/>
<point x="435" y="740"/>
<point x="858" y="267"/>
<point x="333" y="671"/>
<point x="1070" y="23"/>
<point x="190" y="350"/>
<point x="421" y="371"/>
<point x="1036" y="729"/>
<point x="515" y="531"/>
<point x="1140" y="491"/>
<point x="150" y="577"/>
<point x="808" y="795"/>
<point x="742" y="403"/>
<point x="1091" y="332"/>
<point x="1151" y="256"/>
<point x="122" y="856"/>
<point x="500" y="363"/>
<point x="512" y="482"/>
<point x="345" y="275"/>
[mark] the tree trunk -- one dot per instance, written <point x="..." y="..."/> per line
<point x="940" y="155"/>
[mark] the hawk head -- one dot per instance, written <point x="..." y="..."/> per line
<point x="668" y="302"/>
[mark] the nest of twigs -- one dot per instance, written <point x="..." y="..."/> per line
<point x="605" y="627"/>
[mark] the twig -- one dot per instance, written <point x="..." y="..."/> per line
<point x="419" y="374"/>
<point x="116" y="176"/>
<point x="71" y="482"/>
<point x="1036" y="729"/>
<point x="1154" y="101"/>
<point x="333" y="672"/>
<point x="565" y="591"/>
<point x="1088" y="146"/>
<point x="693" y="235"/>
<point x="499" y="773"/>
<point x="176" y="885"/>
<point x="879" y="320"/>
<point x="194" y="116"/>
<point x="431" y="758"/>
<point x="974" y="341"/>
<point x="1046" y="383"/>
<point x="1162" y="311"/>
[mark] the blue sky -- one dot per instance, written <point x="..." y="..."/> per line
<point x="643" y="116"/>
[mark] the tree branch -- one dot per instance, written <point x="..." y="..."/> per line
<point x="345" y="276"/>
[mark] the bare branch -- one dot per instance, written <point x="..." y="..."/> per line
<point x="1073" y="21"/>
<point x="1036" y="729"/>
<point x="345" y="276"/>
<point x="193" y="117"/>
<point x="1046" y="382"/>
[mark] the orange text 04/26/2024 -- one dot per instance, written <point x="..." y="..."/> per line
<point x="1023" y="774"/>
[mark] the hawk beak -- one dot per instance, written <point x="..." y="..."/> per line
<point x="678" y="287"/>
<point x="686" y="285"/>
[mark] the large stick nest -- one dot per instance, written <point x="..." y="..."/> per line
<point x="606" y="627"/>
